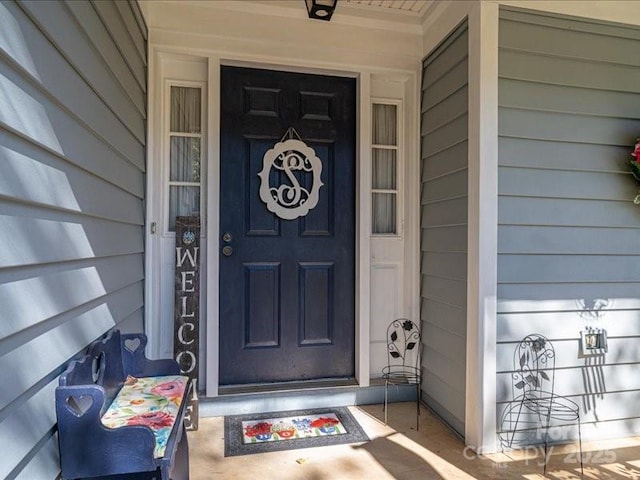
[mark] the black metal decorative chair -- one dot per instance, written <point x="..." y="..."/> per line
<point x="403" y="359"/>
<point x="536" y="407"/>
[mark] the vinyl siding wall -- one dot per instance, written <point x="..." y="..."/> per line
<point x="444" y="226"/>
<point x="72" y="161"/>
<point x="568" y="233"/>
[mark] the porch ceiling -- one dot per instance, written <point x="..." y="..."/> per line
<point x="417" y="7"/>
<point x="381" y="14"/>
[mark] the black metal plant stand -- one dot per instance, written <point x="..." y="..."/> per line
<point x="403" y="360"/>
<point x="534" y="408"/>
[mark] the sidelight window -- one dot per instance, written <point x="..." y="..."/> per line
<point x="385" y="158"/>
<point x="185" y="153"/>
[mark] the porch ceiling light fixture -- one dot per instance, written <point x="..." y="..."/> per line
<point x="321" y="9"/>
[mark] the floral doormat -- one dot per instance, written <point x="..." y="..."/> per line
<point x="271" y="432"/>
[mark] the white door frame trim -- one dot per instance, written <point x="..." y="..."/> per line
<point x="212" y="361"/>
<point x="363" y="212"/>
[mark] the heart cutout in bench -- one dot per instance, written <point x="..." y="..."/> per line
<point x="78" y="405"/>
<point x="132" y="344"/>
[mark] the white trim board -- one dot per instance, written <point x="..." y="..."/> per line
<point x="363" y="224"/>
<point x="363" y="215"/>
<point x="480" y="412"/>
<point x="179" y="31"/>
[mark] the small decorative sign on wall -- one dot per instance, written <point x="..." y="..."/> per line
<point x="186" y="337"/>
<point x="593" y="341"/>
<point x="294" y="158"/>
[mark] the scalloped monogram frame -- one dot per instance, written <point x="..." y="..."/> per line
<point x="290" y="200"/>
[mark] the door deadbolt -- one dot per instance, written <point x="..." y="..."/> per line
<point x="227" y="237"/>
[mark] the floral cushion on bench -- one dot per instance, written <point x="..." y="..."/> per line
<point x="150" y="401"/>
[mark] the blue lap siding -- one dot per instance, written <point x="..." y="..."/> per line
<point x="72" y="171"/>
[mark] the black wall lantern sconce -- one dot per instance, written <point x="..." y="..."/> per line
<point x="321" y="9"/>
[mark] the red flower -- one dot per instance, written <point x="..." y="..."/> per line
<point x="169" y="389"/>
<point x="153" y="420"/>
<point x="324" y="422"/>
<point x="261" y="428"/>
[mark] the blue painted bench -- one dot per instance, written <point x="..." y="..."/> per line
<point x="120" y="415"/>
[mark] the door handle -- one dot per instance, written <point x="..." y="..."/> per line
<point x="227" y="250"/>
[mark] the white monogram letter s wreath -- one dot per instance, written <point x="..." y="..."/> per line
<point x="290" y="201"/>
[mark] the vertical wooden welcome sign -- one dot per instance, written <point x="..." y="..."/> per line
<point x="186" y="332"/>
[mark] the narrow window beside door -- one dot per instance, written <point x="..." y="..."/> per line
<point x="185" y="153"/>
<point x="384" y="156"/>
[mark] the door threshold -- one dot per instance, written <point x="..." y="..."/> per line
<point x="324" y="396"/>
<point x="286" y="386"/>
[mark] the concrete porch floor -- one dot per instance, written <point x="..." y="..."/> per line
<point x="398" y="451"/>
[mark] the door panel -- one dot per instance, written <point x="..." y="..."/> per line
<point x="259" y="220"/>
<point x="316" y="303"/>
<point x="262" y="312"/>
<point x="319" y="221"/>
<point x="287" y="290"/>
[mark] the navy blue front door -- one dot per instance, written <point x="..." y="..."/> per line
<point x="287" y="286"/>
